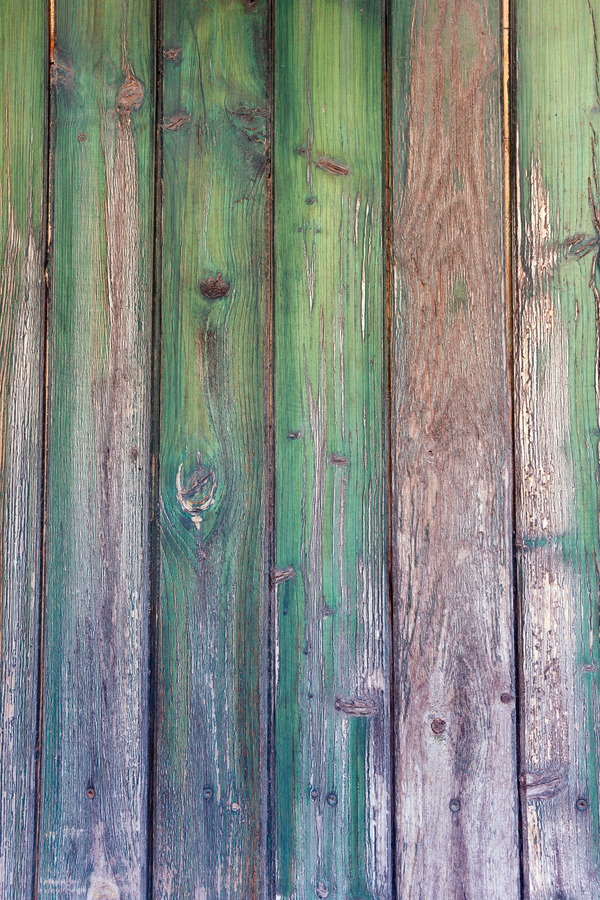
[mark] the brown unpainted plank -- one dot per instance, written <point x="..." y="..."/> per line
<point x="557" y="430"/>
<point x="23" y="99"/>
<point x="454" y="691"/>
<point x="93" y="830"/>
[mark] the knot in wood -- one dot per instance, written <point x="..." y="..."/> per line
<point x="130" y="95"/>
<point x="337" y="459"/>
<point x="214" y="288"/>
<point x="332" y="166"/>
<point x="355" y="706"/>
<point x="176" y="121"/>
<point x="198" y="494"/>
<point x="543" y="785"/>
<point x="278" y="576"/>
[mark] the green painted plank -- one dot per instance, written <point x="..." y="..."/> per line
<point x="211" y="626"/>
<point x="332" y="779"/>
<point x="23" y="84"/>
<point x="556" y="378"/>
<point x="456" y="809"/>
<point x="93" y="831"/>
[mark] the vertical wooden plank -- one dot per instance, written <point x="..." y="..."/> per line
<point x="332" y="783"/>
<point x="556" y="365"/>
<point x="457" y="832"/>
<point x="94" y="774"/>
<point x="23" y="81"/>
<point x="211" y="628"/>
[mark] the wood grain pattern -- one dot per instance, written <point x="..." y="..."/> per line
<point x="22" y="238"/>
<point x="454" y="693"/>
<point x="332" y="780"/>
<point x="249" y="689"/>
<point x="95" y="679"/>
<point x="556" y="381"/>
<point x="212" y="637"/>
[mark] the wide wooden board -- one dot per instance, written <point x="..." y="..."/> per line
<point x="212" y="638"/>
<point x="332" y="753"/>
<point x="23" y="101"/>
<point x="454" y="686"/>
<point x="94" y="745"/>
<point x="556" y="395"/>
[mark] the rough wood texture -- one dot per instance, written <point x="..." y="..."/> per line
<point x="211" y="632"/>
<point x="332" y="787"/>
<point x="556" y="380"/>
<point x="22" y="185"/>
<point x="453" y="631"/>
<point x="92" y="840"/>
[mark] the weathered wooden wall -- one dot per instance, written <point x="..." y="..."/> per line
<point x="299" y="473"/>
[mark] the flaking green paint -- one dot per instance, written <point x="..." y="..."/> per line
<point x="557" y="103"/>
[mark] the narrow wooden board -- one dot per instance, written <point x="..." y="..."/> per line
<point x="332" y="752"/>
<point x="212" y="635"/>
<point x="23" y="101"/>
<point x="556" y="381"/>
<point x="456" y="826"/>
<point x="93" y="828"/>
